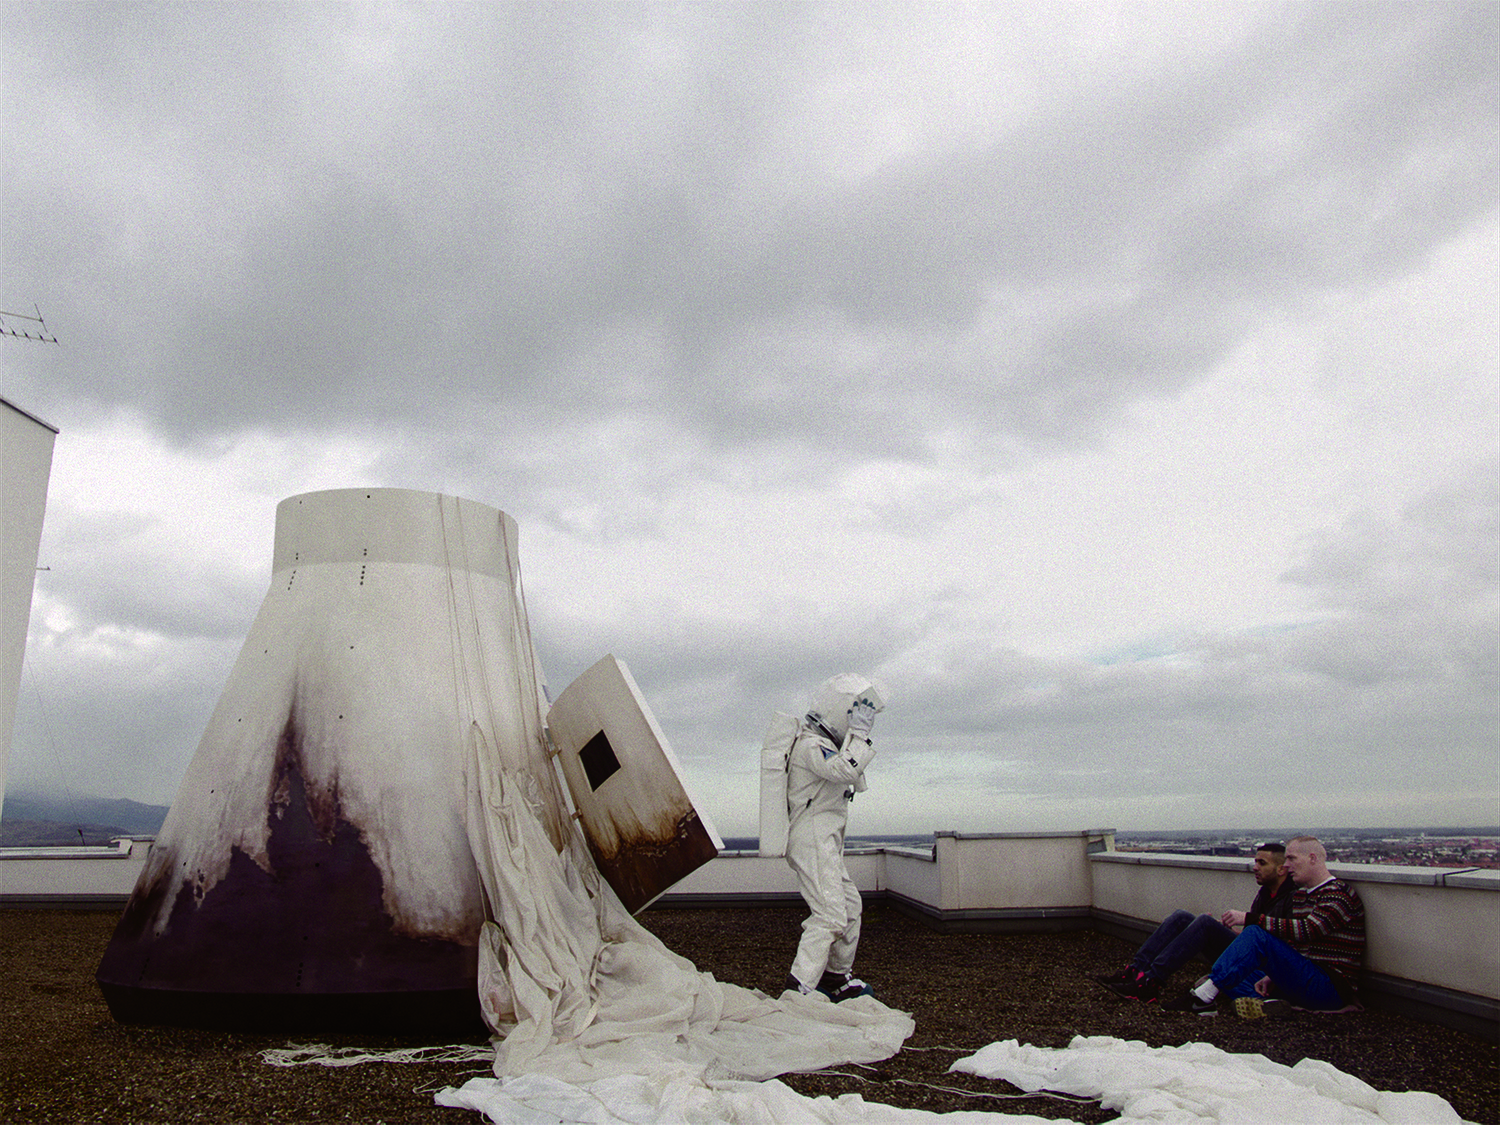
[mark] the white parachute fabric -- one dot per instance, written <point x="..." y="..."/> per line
<point x="680" y="1098"/>
<point x="543" y="938"/>
<point x="1195" y="1084"/>
<point x="1200" y="1083"/>
<point x="578" y="991"/>
<point x="324" y="1054"/>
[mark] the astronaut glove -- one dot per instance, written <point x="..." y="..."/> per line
<point x="861" y="718"/>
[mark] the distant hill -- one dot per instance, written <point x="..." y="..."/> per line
<point x="39" y="820"/>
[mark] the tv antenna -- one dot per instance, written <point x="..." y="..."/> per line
<point x="42" y="335"/>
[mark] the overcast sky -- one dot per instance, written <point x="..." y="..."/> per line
<point x="1120" y="383"/>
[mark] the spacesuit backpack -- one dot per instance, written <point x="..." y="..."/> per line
<point x="774" y="752"/>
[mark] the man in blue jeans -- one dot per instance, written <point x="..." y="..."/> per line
<point x="1182" y="936"/>
<point x="1310" y="960"/>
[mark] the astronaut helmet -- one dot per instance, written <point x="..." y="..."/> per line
<point x="831" y="702"/>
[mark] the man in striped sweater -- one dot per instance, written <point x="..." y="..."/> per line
<point x="1310" y="960"/>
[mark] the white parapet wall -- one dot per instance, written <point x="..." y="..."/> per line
<point x="1431" y="944"/>
<point x="1431" y="924"/>
<point x="1139" y="889"/>
<point x="913" y="876"/>
<point x="745" y="877"/>
<point x="70" y="877"/>
<point x="994" y="877"/>
<point x="1017" y="871"/>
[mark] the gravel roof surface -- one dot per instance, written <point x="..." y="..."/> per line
<point x="64" y="1059"/>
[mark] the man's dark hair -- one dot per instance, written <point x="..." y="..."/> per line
<point x="1280" y="849"/>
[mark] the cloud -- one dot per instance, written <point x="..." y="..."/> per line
<point x="1118" y="386"/>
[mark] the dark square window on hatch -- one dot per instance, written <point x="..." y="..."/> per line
<point x="599" y="761"/>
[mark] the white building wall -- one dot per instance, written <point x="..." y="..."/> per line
<point x="25" y="465"/>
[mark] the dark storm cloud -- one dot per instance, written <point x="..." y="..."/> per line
<point x="343" y="213"/>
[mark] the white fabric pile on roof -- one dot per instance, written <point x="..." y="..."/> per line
<point x="1188" y="1085"/>
<point x="597" y="1022"/>
<point x="676" y="1099"/>
<point x="1198" y="1082"/>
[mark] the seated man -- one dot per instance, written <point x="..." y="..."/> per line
<point x="1310" y="960"/>
<point x="1182" y="935"/>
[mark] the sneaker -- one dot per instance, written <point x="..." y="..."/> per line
<point x="1256" y="1008"/>
<point x="1142" y="988"/>
<point x="1189" y="1002"/>
<point x="1124" y="976"/>
<point x="839" y="988"/>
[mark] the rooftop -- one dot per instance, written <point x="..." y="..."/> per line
<point x="63" y="1058"/>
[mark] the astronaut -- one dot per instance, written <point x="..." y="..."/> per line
<point x="825" y="768"/>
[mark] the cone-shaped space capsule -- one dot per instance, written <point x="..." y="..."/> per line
<point x="314" y="870"/>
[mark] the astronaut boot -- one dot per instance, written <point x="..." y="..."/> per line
<point x="794" y="985"/>
<point x="843" y="986"/>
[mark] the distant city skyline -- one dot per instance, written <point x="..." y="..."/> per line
<point x="1418" y="846"/>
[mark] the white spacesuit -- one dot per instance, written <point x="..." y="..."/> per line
<point x="825" y="768"/>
